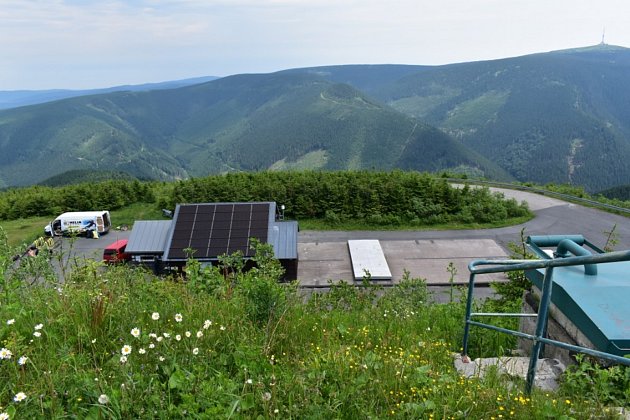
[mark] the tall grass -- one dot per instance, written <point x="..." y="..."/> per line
<point x="117" y="342"/>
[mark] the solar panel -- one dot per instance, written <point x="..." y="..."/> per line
<point x="214" y="229"/>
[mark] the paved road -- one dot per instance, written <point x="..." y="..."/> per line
<point x="553" y="217"/>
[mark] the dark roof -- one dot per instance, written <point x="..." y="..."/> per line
<point x="214" y="229"/>
<point x="148" y="236"/>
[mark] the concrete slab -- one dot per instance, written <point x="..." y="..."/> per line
<point x="321" y="262"/>
<point x="428" y="259"/>
<point x="367" y="256"/>
<point x="547" y="370"/>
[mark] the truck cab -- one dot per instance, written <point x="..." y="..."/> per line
<point x="114" y="253"/>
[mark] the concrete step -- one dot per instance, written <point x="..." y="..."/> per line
<point x="547" y="371"/>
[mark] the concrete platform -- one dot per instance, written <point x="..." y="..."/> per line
<point x="428" y="259"/>
<point x="322" y="261"/>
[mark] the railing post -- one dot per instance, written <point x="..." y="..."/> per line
<point x="471" y="288"/>
<point x="541" y="326"/>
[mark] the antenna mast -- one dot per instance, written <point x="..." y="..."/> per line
<point x="603" y="37"/>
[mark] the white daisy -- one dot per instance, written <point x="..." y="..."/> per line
<point x="20" y="396"/>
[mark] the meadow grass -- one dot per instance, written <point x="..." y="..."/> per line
<point x="118" y="342"/>
<point x="24" y="231"/>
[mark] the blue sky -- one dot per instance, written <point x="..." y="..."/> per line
<point x="89" y="44"/>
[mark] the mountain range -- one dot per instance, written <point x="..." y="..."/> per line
<point x="560" y="117"/>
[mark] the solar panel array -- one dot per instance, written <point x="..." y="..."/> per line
<point x="218" y="228"/>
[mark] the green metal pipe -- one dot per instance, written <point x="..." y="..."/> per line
<point x="566" y="247"/>
<point x="554" y="240"/>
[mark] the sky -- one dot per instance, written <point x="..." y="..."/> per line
<point x="82" y="44"/>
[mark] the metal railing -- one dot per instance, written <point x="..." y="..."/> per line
<point x="502" y="266"/>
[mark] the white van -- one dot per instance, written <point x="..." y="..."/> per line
<point x="79" y="222"/>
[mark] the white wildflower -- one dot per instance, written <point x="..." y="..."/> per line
<point x="135" y="332"/>
<point x="179" y="317"/>
<point x="155" y="316"/>
<point x="103" y="399"/>
<point x="20" y="396"/>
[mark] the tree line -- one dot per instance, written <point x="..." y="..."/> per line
<point x="379" y="198"/>
<point x="376" y="198"/>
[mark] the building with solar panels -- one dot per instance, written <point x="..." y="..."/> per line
<point x="210" y="230"/>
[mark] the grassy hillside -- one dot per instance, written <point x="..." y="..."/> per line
<point x="120" y="343"/>
<point x="240" y="123"/>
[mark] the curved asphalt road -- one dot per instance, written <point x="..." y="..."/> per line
<point x="552" y="217"/>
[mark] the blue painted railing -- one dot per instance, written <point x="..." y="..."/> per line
<point x="502" y="266"/>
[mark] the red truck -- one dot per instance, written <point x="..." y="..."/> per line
<point x="115" y="253"/>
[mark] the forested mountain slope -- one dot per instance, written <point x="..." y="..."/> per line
<point x="238" y="123"/>
<point x="562" y="116"/>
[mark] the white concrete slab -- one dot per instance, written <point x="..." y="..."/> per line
<point x="367" y="256"/>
